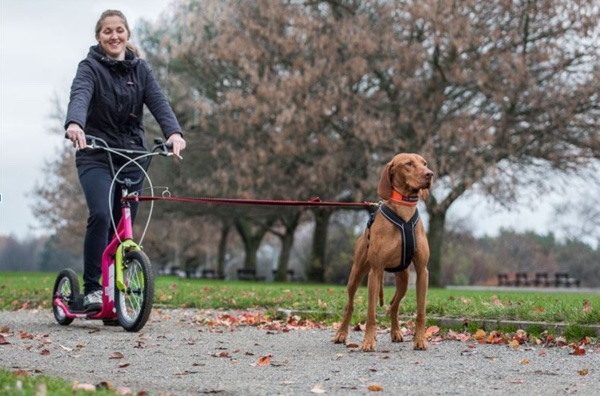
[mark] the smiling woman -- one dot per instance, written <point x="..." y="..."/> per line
<point x="30" y="93"/>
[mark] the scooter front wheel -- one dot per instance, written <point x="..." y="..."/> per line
<point x="66" y="287"/>
<point x="134" y="302"/>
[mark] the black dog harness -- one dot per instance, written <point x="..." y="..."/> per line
<point x="407" y="228"/>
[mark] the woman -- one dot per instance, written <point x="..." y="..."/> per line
<point x="108" y="94"/>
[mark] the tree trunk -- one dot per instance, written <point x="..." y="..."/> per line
<point x="252" y="233"/>
<point x="316" y="272"/>
<point x="222" y="249"/>
<point x="287" y="241"/>
<point x="437" y="221"/>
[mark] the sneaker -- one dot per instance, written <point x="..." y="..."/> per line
<point x="93" y="301"/>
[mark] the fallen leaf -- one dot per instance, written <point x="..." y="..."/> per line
<point x="352" y="345"/>
<point x="479" y="334"/>
<point x="104" y="385"/>
<point x="514" y="344"/>
<point x="3" y="340"/>
<point x="121" y="390"/>
<point x="583" y="372"/>
<point x="578" y="351"/>
<point x="375" y="388"/>
<point x="264" y="360"/>
<point x="525" y="361"/>
<point x="318" y="388"/>
<point x="123" y="365"/>
<point x="431" y="330"/>
<point x="42" y="390"/>
<point x="83" y="387"/>
<point x="116" y="355"/>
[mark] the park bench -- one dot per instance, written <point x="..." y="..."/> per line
<point x="542" y="280"/>
<point x="290" y="275"/>
<point x="563" y="279"/>
<point x="521" y="279"/>
<point x="248" y="274"/>
<point x="503" y="280"/>
<point x="210" y="274"/>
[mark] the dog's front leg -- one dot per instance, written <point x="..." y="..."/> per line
<point x="401" y="288"/>
<point x="375" y="282"/>
<point x="420" y="342"/>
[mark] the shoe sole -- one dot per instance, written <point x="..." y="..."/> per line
<point x="93" y="308"/>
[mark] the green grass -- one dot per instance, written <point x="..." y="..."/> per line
<point x="326" y="302"/>
<point x="21" y="383"/>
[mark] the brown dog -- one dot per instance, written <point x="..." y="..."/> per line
<point x="403" y="180"/>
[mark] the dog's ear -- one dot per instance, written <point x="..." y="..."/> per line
<point x="424" y="194"/>
<point x="384" y="189"/>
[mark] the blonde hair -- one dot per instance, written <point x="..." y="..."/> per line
<point x="119" y="14"/>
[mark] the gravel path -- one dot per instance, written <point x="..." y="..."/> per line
<point x="180" y="353"/>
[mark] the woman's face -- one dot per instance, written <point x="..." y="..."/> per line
<point x="113" y="37"/>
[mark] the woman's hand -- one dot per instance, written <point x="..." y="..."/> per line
<point x="76" y="135"/>
<point x="178" y="143"/>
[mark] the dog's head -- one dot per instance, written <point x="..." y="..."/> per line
<point x="408" y="174"/>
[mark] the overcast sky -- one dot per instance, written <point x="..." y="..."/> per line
<point x="41" y="43"/>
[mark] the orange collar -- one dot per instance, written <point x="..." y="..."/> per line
<point x="404" y="200"/>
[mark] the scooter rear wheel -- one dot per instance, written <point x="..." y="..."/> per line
<point x="66" y="287"/>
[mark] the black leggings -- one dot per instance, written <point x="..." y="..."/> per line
<point x="95" y="179"/>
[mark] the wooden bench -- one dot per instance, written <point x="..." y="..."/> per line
<point x="210" y="274"/>
<point x="521" y="279"/>
<point x="503" y="280"/>
<point x="248" y="274"/>
<point x="563" y="279"/>
<point x="290" y="275"/>
<point x="541" y="279"/>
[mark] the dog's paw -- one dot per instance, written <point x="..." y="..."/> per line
<point x="420" y="345"/>
<point x="340" y="337"/>
<point x="397" y="336"/>
<point x="368" y="346"/>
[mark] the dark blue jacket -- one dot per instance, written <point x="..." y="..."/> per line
<point x="107" y="100"/>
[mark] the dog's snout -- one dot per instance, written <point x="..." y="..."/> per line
<point x="428" y="173"/>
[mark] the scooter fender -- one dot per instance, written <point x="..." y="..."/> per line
<point x="125" y="247"/>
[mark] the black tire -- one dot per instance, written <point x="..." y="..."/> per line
<point x="66" y="288"/>
<point x="134" y="304"/>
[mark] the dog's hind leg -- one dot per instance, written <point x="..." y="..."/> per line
<point x="359" y="269"/>
<point x="401" y="288"/>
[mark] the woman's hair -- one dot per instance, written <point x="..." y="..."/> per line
<point x="117" y="13"/>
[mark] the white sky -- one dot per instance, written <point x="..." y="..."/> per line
<point x="41" y="43"/>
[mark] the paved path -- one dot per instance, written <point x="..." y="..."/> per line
<point x="179" y="352"/>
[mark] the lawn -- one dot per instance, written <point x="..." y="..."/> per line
<point x="320" y="302"/>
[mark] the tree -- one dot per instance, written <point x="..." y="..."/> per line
<point x="287" y="99"/>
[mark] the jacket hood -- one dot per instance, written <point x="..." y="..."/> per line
<point x="116" y="66"/>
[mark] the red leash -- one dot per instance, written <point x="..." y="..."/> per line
<point x="261" y="202"/>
